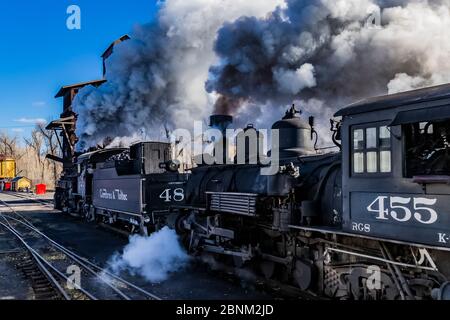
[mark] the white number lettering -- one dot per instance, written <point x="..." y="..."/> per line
<point x="166" y="195"/>
<point x="178" y="195"/>
<point x="398" y="203"/>
<point x="382" y="212"/>
<point x="394" y="214"/>
<point x="427" y="202"/>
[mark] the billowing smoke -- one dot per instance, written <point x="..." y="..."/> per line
<point x="157" y="79"/>
<point x="154" y="257"/>
<point x="225" y="105"/>
<point x="328" y="53"/>
<point x="256" y="57"/>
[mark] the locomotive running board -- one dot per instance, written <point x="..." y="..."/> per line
<point x="341" y="233"/>
<point x="118" y="211"/>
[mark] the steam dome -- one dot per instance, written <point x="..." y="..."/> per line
<point x="295" y="135"/>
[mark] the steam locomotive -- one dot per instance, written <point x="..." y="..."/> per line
<point x="369" y="222"/>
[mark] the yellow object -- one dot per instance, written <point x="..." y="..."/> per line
<point x="7" y="168"/>
<point x="20" y="184"/>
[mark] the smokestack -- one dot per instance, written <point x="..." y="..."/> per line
<point x="221" y="122"/>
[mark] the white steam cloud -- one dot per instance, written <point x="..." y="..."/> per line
<point x="154" y="257"/>
<point x="157" y="78"/>
<point x="346" y="50"/>
<point x="293" y="81"/>
<point x="263" y="55"/>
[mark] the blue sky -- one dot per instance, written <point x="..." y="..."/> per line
<point x="38" y="54"/>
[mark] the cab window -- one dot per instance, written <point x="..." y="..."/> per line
<point x="427" y="148"/>
<point x="371" y="150"/>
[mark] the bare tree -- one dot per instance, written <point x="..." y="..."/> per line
<point x="43" y="142"/>
<point x="52" y="148"/>
<point x="30" y="156"/>
<point x="36" y="143"/>
<point x="9" y="146"/>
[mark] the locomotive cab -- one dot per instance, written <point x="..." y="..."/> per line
<point x="396" y="167"/>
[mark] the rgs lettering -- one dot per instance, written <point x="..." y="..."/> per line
<point x="361" y="227"/>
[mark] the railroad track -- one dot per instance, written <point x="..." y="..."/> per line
<point x="279" y="290"/>
<point x="53" y="269"/>
<point x="31" y="197"/>
<point x="42" y="282"/>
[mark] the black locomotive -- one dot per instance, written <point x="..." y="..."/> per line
<point x="371" y="221"/>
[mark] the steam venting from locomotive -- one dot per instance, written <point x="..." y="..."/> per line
<point x="154" y="257"/>
<point x="156" y="79"/>
<point x="329" y="53"/>
<point x="320" y="53"/>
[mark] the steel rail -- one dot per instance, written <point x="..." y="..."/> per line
<point x="37" y="258"/>
<point x="41" y="260"/>
<point x="117" y="278"/>
<point x="35" y="199"/>
<point x="83" y="261"/>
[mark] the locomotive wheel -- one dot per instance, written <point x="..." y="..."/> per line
<point x="303" y="274"/>
<point x="179" y="228"/>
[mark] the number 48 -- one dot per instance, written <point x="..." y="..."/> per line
<point x="168" y="195"/>
<point x="401" y="213"/>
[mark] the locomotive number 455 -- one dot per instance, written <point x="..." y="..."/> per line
<point x="404" y="209"/>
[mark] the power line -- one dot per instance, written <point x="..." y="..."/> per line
<point x="23" y="126"/>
